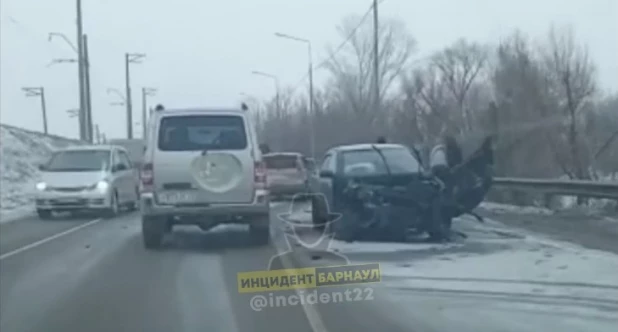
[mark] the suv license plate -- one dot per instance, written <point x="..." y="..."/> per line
<point x="177" y="197"/>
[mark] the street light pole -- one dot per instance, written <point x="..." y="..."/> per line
<point x="80" y="65"/>
<point x="128" y="59"/>
<point x="276" y="80"/>
<point x="376" y="58"/>
<point x="88" y="112"/>
<point x="38" y="92"/>
<point x="97" y="134"/>
<point x="73" y="113"/>
<point x="78" y="50"/>
<point x="145" y="93"/>
<point x="311" y="100"/>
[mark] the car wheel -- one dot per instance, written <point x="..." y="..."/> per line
<point x="152" y="232"/>
<point x="346" y="228"/>
<point x="114" y="206"/>
<point x="441" y="230"/>
<point x="317" y="212"/>
<point x="44" y="214"/>
<point x="260" y="232"/>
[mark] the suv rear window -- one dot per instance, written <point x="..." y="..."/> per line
<point x="202" y="132"/>
<point x="280" y="162"/>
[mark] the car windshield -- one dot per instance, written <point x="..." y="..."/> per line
<point x="281" y="162"/>
<point x="79" y="161"/>
<point x="369" y="162"/>
<point x="202" y="132"/>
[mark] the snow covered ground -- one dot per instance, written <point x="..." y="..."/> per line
<point x="498" y="207"/>
<point x="20" y="154"/>
<point x="497" y="269"/>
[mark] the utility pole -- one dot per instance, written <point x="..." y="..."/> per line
<point x="89" y="129"/>
<point x="128" y="59"/>
<point x="80" y="64"/>
<point x="311" y="102"/>
<point x="376" y="58"/>
<point x="38" y="92"/>
<point x="145" y="93"/>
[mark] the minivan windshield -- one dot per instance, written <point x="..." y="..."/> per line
<point x="79" y="161"/>
<point x="202" y="132"/>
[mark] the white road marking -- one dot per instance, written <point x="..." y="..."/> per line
<point x="48" y="239"/>
<point x="313" y="316"/>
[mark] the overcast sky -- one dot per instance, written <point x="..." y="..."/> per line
<point x="202" y="52"/>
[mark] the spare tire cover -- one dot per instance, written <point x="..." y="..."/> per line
<point x="217" y="172"/>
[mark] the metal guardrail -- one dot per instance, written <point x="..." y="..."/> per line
<point x="593" y="189"/>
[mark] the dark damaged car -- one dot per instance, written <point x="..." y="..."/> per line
<point x="384" y="192"/>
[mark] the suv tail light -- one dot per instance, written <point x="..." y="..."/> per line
<point x="147" y="177"/>
<point x="260" y="175"/>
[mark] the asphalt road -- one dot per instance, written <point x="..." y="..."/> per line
<point x="100" y="278"/>
<point x="85" y="274"/>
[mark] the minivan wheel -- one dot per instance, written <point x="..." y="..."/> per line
<point x="113" y="208"/>
<point x="152" y="233"/>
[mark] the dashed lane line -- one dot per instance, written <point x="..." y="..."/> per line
<point x="48" y="239"/>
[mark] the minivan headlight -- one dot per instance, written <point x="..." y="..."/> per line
<point x="41" y="186"/>
<point x="102" y="186"/>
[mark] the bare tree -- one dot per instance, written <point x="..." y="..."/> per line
<point x="571" y="76"/>
<point x="459" y="65"/>
<point x="426" y="98"/>
<point x="351" y="68"/>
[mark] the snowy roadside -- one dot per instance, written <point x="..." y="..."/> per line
<point x="20" y="154"/>
<point x="497" y="263"/>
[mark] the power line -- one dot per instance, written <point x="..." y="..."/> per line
<point x="338" y="49"/>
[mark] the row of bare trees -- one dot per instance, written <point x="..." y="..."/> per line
<point x="540" y="100"/>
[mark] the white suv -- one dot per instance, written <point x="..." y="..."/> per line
<point x="202" y="167"/>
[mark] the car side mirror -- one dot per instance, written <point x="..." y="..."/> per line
<point x="42" y="167"/>
<point x="327" y="174"/>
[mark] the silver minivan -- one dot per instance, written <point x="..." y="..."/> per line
<point x="202" y="167"/>
<point x="98" y="178"/>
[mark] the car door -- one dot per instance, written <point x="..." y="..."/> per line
<point x="327" y="173"/>
<point x="128" y="177"/>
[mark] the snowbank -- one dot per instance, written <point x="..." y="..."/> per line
<point x="512" y="263"/>
<point x="494" y="261"/>
<point x="20" y="154"/>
